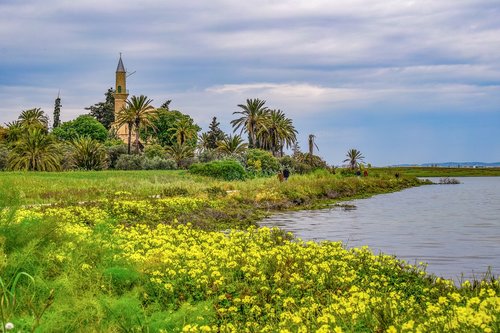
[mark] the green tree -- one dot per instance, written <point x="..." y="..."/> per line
<point x="35" y="151"/>
<point x="104" y="112"/>
<point x="354" y="157"/>
<point x="183" y="130"/>
<point x="179" y="152"/>
<point x="143" y="112"/>
<point x="57" y="112"/>
<point x="252" y="119"/>
<point x="165" y="125"/>
<point x="83" y="126"/>
<point x="214" y="134"/>
<point x="88" y="154"/>
<point x="126" y="117"/>
<point x="232" y="145"/>
<point x="277" y="132"/>
<point x="34" y="118"/>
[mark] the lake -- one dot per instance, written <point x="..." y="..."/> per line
<point x="454" y="228"/>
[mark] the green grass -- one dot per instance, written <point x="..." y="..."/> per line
<point x="132" y="258"/>
<point x="439" y="172"/>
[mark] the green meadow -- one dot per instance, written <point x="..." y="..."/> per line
<point x="166" y="251"/>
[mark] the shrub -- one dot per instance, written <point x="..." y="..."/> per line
<point x="222" y="169"/>
<point x="158" y="163"/>
<point x="89" y="154"/>
<point x="261" y="162"/>
<point x="156" y="150"/>
<point x="129" y="162"/>
<point x="4" y="155"/>
<point x="114" y="152"/>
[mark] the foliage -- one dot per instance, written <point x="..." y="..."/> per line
<point x="34" y="119"/>
<point x="354" y="158"/>
<point x="277" y="132"/>
<point x="154" y="150"/>
<point x="120" y="267"/>
<point x="4" y="155"/>
<point x="165" y="125"/>
<point x="129" y="162"/>
<point x="57" y="112"/>
<point x="180" y="153"/>
<point x="114" y="152"/>
<point x="104" y="112"/>
<point x="231" y="145"/>
<point x="214" y="134"/>
<point x="35" y="151"/>
<point x="184" y="131"/>
<point x="222" y="169"/>
<point x="261" y="162"/>
<point x="158" y="163"/>
<point x="253" y="118"/>
<point x="89" y="154"/>
<point x="83" y="126"/>
<point x="125" y="117"/>
<point x="144" y="114"/>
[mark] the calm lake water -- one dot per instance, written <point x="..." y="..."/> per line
<point x="454" y="228"/>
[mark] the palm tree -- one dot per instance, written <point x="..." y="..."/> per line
<point x="252" y="119"/>
<point x="144" y="114"/>
<point x="179" y="152"/>
<point x="277" y="132"/>
<point x="33" y="118"/>
<point x="88" y="154"/>
<point x="232" y="145"/>
<point x="183" y="130"/>
<point x="203" y="142"/>
<point x="126" y="117"/>
<point x="35" y="151"/>
<point x="312" y="144"/>
<point x="354" y="157"/>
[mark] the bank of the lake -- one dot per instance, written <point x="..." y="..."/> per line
<point x="455" y="229"/>
<point x="95" y="252"/>
<point x="439" y="171"/>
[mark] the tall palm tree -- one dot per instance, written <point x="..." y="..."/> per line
<point x="34" y="118"/>
<point x="35" y="151"/>
<point x="354" y="157"/>
<point x="183" y="130"/>
<point x="203" y="142"/>
<point x="126" y="117"/>
<point x="231" y="145"/>
<point x="144" y="114"/>
<point x="252" y="118"/>
<point x="277" y="132"/>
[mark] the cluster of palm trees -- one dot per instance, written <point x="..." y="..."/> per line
<point x="267" y="129"/>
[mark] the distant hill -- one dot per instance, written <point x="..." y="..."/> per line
<point x="455" y="165"/>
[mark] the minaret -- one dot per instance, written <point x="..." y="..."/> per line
<point x="121" y="95"/>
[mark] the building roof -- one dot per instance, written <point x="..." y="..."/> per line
<point x="120" y="67"/>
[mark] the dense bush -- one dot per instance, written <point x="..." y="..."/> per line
<point x="222" y="169"/>
<point x="155" y="150"/>
<point x="129" y="162"/>
<point x="114" y="152"/>
<point x="158" y="163"/>
<point x="4" y="154"/>
<point x="85" y="126"/>
<point x="261" y="162"/>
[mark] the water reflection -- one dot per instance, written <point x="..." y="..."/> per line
<point x="454" y="228"/>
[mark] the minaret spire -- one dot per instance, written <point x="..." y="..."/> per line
<point x="121" y="95"/>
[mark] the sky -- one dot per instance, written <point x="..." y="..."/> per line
<point x="401" y="81"/>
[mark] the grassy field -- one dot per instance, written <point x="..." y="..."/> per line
<point x="440" y="172"/>
<point x="151" y="251"/>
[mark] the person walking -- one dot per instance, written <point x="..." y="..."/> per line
<point x="286" y="174"/>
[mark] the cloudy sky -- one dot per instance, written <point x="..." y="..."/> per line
<point x="402" y="81"/>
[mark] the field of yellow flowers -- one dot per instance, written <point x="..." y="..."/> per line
<point x="128" y="264"/>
